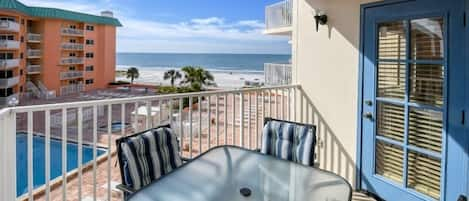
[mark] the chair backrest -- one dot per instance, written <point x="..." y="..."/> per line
<point x="147" y="156"/>
<point x="289" y="140"/>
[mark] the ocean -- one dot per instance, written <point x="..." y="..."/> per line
<point x="229" y="70"/>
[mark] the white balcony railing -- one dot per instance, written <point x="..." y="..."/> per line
<point x="32" y="37"/>
<point x="9" y="82"/>
<point x="6" y="64"/>
<point x="231" y="117"/>
<point x="7" y="25"/>
<point x="33" y="68"/>
<point x="71" y="89"/>
<point x="9" y="44"/>
<point x="277" y="74"/>
<point x="34" y="53"/>
<point x="70" y="31"/>
<point x="72" y="60"/>
<point x="9" y="100"/>
<point x="72" y="46"/>
<point x="279" y="15"/>
<point x="71" y="75"/>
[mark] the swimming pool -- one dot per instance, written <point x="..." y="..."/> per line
<point x="116" y="126"/>
<point x="39" y="160"/>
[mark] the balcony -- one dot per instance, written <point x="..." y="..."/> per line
<point x="33" y="69"/>
<point x="278" y="18"/>
<point x="34" y="53"/>
<point x="72" y="32"/>
<point x="71" y="75"/>
<point x="277" y="74"/>
<point x="9" y="44"/>
<point x="9" y="100"/>
<point x="34" y="38"/>
<point x="71" y="89"/>
<point x="9" y="26"/>
<point x="6" y="64"/>
<point x="9" y="82"/>
<point x="71" y="60"/>
<point x="72" y="46"/>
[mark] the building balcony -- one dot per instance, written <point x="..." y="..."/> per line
<point x="34" y="38"/>
<point x="9" y="44"/>
<point x="72" y="46"/>
<point x="34" y="53"/>
<point x="6" y="64"/>
<point x="71" y="89"/>
<point x="9" y="82"/>
<point x="277" y="74"/>
<point x="278" y="18"/>
<point x="71" y="60"/>
<point x="9" y="26"/>
<point x="33" y="69"/>
<point x="72" y="32"/>
<point x="10" y="100"/>
<point x="71" y="75"/>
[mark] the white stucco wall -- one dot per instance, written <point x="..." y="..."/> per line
<point x="326" y="65"/>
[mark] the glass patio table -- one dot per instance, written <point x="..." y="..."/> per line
<point x="236" y="174"/>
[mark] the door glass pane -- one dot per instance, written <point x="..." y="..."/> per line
<point x="390" y="121"/>
<point x="391" y="80"/>
<point x="389" y="160"/>
<point x="392" y="40"/>
<point x="424" y="174"/>
<point x="426" y="84"/>
<point x="427" y="39"/>
<point x="425" y="129"/>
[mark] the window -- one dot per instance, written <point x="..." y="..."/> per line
<point x="72" y="54"/>
<point x="7" y="37"/>
<point x="89" y="55"/>
<point x="22" y="39"/>
<point x="89" y="68"/>
<point x="21" y="55"/>
<point x="21" y="72"/>
<point x="90" y="42"/>
<point x="6" y="55"/>
<point x="73" y="41"/>
<point x="73" y="27"/>
<point x="89" y="28"/>
<point x="90" y="81"/>
<point x="21" y="88"/>
<point x="72" y="82"/>
<point x="72" y="68"/>
<point x="22" y="21"/>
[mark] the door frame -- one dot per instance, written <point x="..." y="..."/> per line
<point x="361" y="89"/>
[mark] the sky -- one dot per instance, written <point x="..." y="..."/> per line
<point x="184" y="26"/>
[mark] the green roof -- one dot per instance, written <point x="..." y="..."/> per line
<point x="57" y="13"/>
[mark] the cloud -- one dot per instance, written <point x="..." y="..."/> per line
<point x="212" y="34"/>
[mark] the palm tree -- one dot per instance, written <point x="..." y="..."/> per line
<point x="172" y="75"/>
<point x="132" y="74"/>
<point x="197" y="77"/>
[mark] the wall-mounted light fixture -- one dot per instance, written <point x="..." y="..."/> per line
<point x="321" y="19"/>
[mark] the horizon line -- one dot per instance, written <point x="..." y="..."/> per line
<point x="286" y="54"/>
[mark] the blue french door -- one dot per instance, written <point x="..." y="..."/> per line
<point x="413" y="138"/>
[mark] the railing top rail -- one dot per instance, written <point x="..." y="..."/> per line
<point x="139" y="99"/>
<point x="278" y="4"/>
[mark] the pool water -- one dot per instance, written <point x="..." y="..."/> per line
<point x="116" y="126"/>
<point x="39" y="160"/>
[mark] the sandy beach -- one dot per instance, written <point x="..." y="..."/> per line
<point x="226" y="79"/>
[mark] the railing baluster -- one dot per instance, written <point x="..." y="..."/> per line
<point x="190" y="127"/>
<point x="209" y="121"/>
<point x="64" y="153"/>
<point x="282" y="96"/>
<point x="257" y="118"/>
<point x="225" y="120"/>
<point x="233" y="119"/>
<point x="294" y="103"/>
<point x="123" y="131"/>
<point x="270" y="104"/>
<point x="149" y="116"/>
<point x="301" y="107"/>
<point x="249" y="121"/>
<point x="289" y="104"/>
<point x="109" y="141"/>
<point x="181" y="129"/>
<point x="136" y="116"/>
<point x="47" y="157"/>
<point x="95" y="142"/>
<point x="160" y="115"/>
<point x="30" y="156"/>
<point x="170" y="105"/>
<point x="80" y="147"/>
<point x="307" y="112"/>
<point x="217" y="138"/>
<point x="199" y="98"/>
<point x="241" y="119"/>
<point x="276" y="104"/>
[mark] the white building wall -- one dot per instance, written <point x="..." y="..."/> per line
<point x="326" y="65"/>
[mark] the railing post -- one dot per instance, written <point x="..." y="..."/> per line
<point x="241" y="119"/>
<point x="8" y="155"/>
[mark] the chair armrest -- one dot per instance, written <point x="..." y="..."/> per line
<point x="126" y="189"/>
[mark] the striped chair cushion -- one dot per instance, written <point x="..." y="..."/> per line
<point x="289" y="141"/>
<point x="148" y="156"/>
